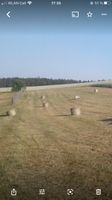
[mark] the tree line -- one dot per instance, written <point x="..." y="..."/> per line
<point x="9" y="82"/>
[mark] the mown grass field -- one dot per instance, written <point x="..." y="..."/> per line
<point x="48" y="148"/>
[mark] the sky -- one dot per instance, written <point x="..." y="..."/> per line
<point x="47" y="42"/>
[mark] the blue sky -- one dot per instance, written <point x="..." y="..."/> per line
<point x="49" y="43"/>
<point x="72" y="55"/>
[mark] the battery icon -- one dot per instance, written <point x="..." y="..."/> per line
<point x="107" y="3"/>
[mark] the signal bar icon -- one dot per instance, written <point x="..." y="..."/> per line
<point x="29" y="2"/>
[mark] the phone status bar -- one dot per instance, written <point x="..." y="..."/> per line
<point x="56" y="15"/>
<point x="55" y="3"/>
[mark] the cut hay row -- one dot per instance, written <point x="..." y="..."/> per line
<point x="14" y="99"/>
<point x="17" y="96"/>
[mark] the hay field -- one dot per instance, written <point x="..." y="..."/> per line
<point x="48" y="148"/>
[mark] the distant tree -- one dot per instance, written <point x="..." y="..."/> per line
<point x="18" y="85"/>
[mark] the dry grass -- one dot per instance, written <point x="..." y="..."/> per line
<point x="50" y="149"/>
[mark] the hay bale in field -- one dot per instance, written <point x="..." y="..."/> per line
<point x="11" y="112"/>
<point x="95" y="90"/>
<point x="45" y="105"/>
<point x="43" y="97"/>
<point x="77" y="97"/>
<point x="75" y="111"/>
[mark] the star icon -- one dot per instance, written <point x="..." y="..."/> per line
<point x="89" y="14"/>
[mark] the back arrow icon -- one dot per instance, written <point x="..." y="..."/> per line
<point x="8" y="14"/>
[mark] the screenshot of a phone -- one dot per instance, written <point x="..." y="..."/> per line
<point x="55" y="100"/>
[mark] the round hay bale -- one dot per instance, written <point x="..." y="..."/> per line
<point x="75" y="111"/>
<point x="45" y="105"/>
<point x="95" y="91"/>
<point x="43" y="97"/>
<point x="77" y="97"/>
<point x="12" y="112"/>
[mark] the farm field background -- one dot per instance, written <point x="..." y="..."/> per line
<point x="48" y="148"/>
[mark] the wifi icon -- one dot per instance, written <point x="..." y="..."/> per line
<point x="29" y="2"/>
